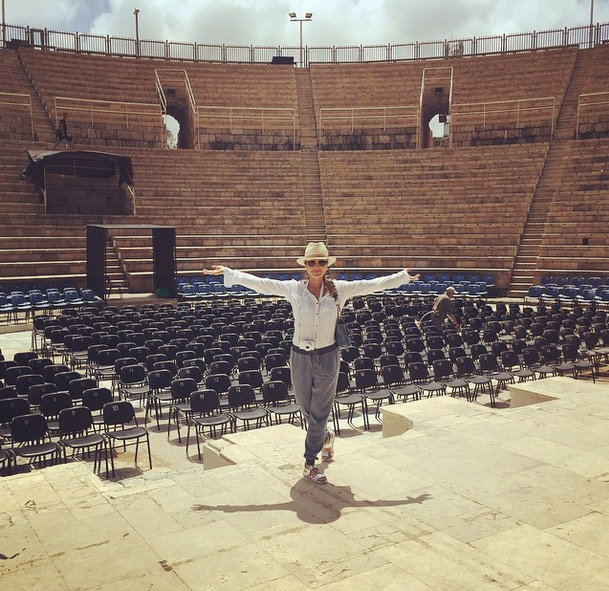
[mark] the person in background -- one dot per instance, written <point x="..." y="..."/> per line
<point x="442" y="309"/>
<point x="62" y="134"/>
<point x="315" y="358"/>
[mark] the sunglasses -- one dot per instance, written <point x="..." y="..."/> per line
<point x="321" y="263"/>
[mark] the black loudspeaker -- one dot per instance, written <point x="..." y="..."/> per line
<point x="15" y="44"/>
<point x="96" y="260"/>
<point x="164" y="255"/>
<point x="283" y="60"/>
<point x="442" y="118"/>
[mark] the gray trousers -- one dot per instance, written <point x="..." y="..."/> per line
<point x="315" y="377"/>
<point x="438" y="323"/>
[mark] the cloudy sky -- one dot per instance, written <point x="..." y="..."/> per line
<point x="335" y="22"/>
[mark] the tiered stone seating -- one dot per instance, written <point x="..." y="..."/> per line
<point x="451" y="209"/>
<point x="479" y="84"/>
<point x="368" y="88"/>
<point x="594" y="93"/>
<point x="34" y="246"/>
<point x="108" y="100"/>
<point x="245" y="106"/>
<point x="430" y="210"/>
<point x="575" y="239"/>
<point x="114" y="101"/>
<point x="21" y="114"/>
<point x="237" y="208"/>
<point x="475" y="80"/>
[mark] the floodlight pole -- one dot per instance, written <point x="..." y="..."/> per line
<point x="591" y="43"/>
<point x="307" y="18"/>
<point x="136" y="12"/>
<point x="3" y="26"/>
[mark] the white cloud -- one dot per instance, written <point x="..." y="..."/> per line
<point x="335" y="22"/>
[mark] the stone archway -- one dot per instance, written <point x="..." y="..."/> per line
<point x="179" y="111"/>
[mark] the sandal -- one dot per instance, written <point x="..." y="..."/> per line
<point x="327" y="452"/>
<point x="314" y="474"/>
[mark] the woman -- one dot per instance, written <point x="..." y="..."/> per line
<point x="316" y="303"/>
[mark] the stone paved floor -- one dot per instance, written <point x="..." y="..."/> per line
<point x="471" y="498"/>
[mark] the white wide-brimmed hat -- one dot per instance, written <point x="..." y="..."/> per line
<point x="316" y="251"/>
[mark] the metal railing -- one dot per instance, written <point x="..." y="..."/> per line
<point x="94" y="110"/>
<point x="593" y="104"/>
<point x="241" y="118"/>
<point x="11" y="102"/>
<point x="540" y="110"/>
<point x="352" y="118"/>
<point x="583" y="36"/>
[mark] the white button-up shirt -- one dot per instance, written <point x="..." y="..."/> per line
<point x="314" y="320"/>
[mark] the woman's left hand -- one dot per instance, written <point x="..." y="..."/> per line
<point x="413" y="277"/>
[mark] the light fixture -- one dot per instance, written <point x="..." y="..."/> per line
<point x="136" y="13"/>
<point x="307" y="18"/>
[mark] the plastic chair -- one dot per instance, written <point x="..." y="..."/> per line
<point x="278" y="402"/>
<point x="31" y="441"/>
<point x="243" y="407"/>
<point x="466" y="370"/>
<point x="204" y="412"/>
<point x="95" y="399"/>
<point x="395" y="380"/>
<point x="181" y="390"/>
<point x="77" y="433"/>
<point x="121" y="427"/>
<point x="9" y="409"/>
<point x="367" y="383"/>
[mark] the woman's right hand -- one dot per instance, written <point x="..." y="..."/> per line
<point x="215" y="270"/>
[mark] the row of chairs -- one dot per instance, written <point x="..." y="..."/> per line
<point x="569" y="295"/>
<point x="201" y="291"/>
<point x="227" y="320"/>
<point x="430" y="290"/>
<point x="521" y="344"/>
<point x="29" y="434"/>
<point x="577" y="280"/>
<point x="33" y="385"/>
<point x="29" y="303"/>
<point x="205" y="408"/>
<point x="486" y="278"/>
<point x="366" y="380"/>
<point x="58" y="387"/>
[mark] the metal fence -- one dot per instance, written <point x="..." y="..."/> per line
<point x="20" y="107"/>
<point x="592" y="108"/>
<point x="584" y="37"/>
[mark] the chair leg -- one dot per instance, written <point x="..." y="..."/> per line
<point x="177" y="418"/>
<point x="365" y="412"/>
<point x="149" y="452"/>
<point x="335" y="424"/>
<point x="197" y="435"/>
<point x="111" y="451"/>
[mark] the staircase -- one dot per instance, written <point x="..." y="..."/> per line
<point x="44" y="130"/>
<point x="550" y="181"/>
<point x="116" y="278"/>
<point x="315" y="224"/>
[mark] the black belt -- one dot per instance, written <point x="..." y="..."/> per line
<point x="315" y="351"/>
